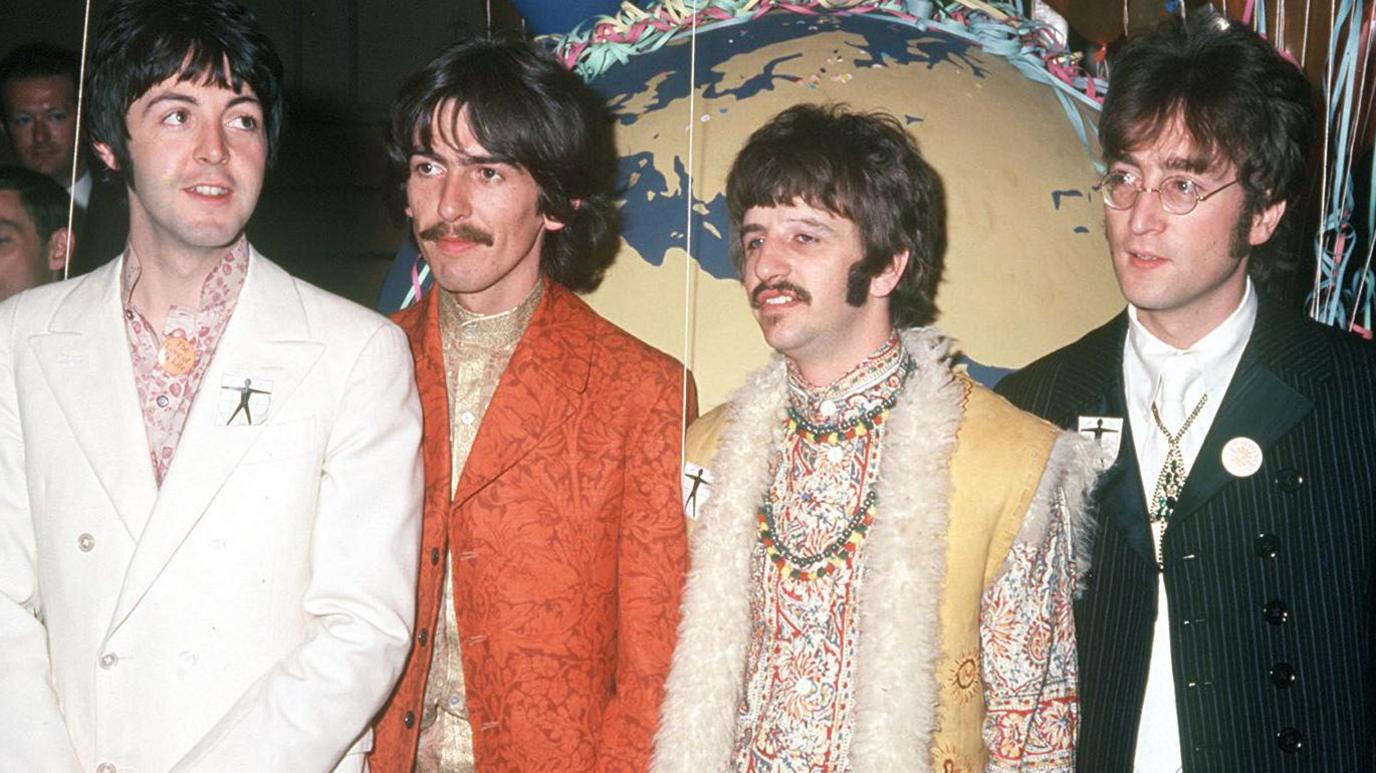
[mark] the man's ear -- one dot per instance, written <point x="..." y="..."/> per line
<point x="554" y="223"/>
<point x="107" y="156"/>
<point x="1264" y="223"/>
<point x="883" y="283"/>
<point x="60" y="245"/>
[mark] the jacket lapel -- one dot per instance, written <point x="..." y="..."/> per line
<point x="268" y="339"/>
<point x="85" y="361"/>
<point x="539" y="390"/>
<point x="1267" y="397"/>
<point x="1098" y="391"/>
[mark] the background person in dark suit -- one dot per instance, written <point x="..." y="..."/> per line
<point x="1228" y="621"/>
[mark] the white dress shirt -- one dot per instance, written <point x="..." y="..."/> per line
<point x="81" y="190"/>
<point x="1208" y="366"/>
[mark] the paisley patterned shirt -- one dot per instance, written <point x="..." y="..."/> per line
<point x="796" y="713"/>
<point x="168" y="384"/>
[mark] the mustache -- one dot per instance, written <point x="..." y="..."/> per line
<point x="789" y="287"/>
<point x="461" y="231"/>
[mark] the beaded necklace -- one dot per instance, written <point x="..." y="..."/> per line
<point x="841" y="551"/>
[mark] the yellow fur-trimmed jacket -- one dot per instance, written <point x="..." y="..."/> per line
<point x="966" y="657"/>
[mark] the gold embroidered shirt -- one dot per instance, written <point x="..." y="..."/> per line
<point x="477" y="349"/>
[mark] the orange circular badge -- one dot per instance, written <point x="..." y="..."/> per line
<point x="176" y="356"/>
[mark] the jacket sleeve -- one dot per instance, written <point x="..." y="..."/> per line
<point x="1027" y="626"/>
<point x="307" y="710"/>
<point x="33" y="733"/>
<point x="650" y="568"/>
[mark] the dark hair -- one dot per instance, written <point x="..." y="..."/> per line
<point x="43" y="199"/>
<point x="1237" y="97"/>
<point x="863" y="167"/>
<point x="39" y="60"/>
<point x="529" y="111"/>
<point x="141" y="43"/>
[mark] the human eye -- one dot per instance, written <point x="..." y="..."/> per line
<point x="752" y="243"/>
<point x="424" y="167"/>
<point x="246" y="122"/>
<point x="489" y="174"/>
<point x="1180" y="186"/>
<point x="176" y="118"/>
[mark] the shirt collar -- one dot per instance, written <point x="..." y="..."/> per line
<point x="221" y="286"/>
<point x="505" y="328"/>
<point x="868" y="384"/>
<point x="1214" y="356"/>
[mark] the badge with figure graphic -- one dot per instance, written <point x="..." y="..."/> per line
<point x="697" y="488"/>
<point x="244" y="400"/>
<point x="1107" y="432"/>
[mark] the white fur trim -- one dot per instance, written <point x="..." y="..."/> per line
<point x="1065" y="492"/>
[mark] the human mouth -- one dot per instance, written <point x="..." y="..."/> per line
<point x="209" y="191"/>
<point x="778" y="295"/>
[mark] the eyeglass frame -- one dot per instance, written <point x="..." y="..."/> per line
<point x="1140" y="189"/>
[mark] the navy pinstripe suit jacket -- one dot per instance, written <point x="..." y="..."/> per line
<point x="1270" y="579"/>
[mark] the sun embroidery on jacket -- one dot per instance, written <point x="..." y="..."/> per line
<point x="962" y="676"/>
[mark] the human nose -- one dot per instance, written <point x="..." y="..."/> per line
<point x="211" y="147"/>
<point x="41" y="131"/>
<point x="1147" y="212"/>
<point x="767" y="262"/>
<point x="454" y="198"/>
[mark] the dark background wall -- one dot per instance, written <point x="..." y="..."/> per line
<point x="327" y="211"/>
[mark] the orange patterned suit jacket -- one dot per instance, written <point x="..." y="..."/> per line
<point x="568" y="546"/>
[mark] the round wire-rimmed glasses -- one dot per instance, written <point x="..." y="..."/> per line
<point x="1179" y="195"/>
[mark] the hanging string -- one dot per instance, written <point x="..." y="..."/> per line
<point x="76" y="143"/>
<point x="689" y="305"/>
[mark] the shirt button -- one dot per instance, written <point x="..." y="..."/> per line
<point x="424" y="637"/>
<point x="454" y="701"/>
<point x="109" y="660"/>
<point x="1266" y="545"/>
<point x="86" y="543"/>
<point x="1275" y="612"/>
<point x="467" y="417"/>
<point x="161" y="401"/>
<point x="409" y="720"/>
<point x="434" y="556"/>
<point x="128" y="314"/>
<point x="828" y="408"/>
<point x="105" y="767"/>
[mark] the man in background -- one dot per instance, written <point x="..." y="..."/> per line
<point x="33" y="230"/>
<point x="38" y="113"/>
<point x="1229" y="621"/>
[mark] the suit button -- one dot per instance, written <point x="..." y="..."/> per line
<point x="105" y="767"/>
<point x="1266" y="545"/>
<point x="1290" y="740"/>
<point x="109" y="660"/>
<point x="1290" y="479"/>
<point x="434" y="556"/>
<point x="1275" y="612"/>
<point x="424" y="636"/>
<point x="409" y="719"/>
<point x="1282" y="674"/>
<point x="85" y="543"/>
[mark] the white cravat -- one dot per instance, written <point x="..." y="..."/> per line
<point x="1155" y="372"/>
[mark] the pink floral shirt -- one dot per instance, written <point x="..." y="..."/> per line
<point x="168" y="372"/>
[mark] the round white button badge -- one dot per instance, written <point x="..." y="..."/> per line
<point x="1242" y="457"/>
